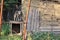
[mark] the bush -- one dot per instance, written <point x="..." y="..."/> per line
<point x="5" y="29"/>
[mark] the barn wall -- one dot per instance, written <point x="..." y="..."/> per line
<point x="49" y="13"/>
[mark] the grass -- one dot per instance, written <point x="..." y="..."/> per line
<point x="10" y="37"/>
<point x="5" y="33"/>
<point x="45" y="36"/>
<point x="34" y="36"/>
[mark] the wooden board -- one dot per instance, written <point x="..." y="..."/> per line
<point x="16" y="22"/>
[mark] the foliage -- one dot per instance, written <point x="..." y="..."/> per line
<point x="29" y="36"/>
<point x="5" y="29"/>
<point x="8" y="2"/>
<point x="45" y="36"/>
<point x="15" y="37"/>
<point x="11" y="1"/>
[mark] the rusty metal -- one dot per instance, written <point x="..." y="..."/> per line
<point x="25" y="25"/>
<point x="1" y="9"/>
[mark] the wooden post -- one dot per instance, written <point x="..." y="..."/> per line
<point x="1" y="9"/>
<point x="25" y="25"/>
<point x="0" y="19"/>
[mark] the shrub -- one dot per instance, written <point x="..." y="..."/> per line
<point x="5" y="29"/>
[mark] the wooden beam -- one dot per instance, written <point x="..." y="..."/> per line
<point x="25" y="25"/>
<point x="1" y="9"/>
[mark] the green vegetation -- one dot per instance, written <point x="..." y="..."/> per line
<point x="5" y="29"/>
<point x="10" y="37"/>
<point x="44" y="36"/>
<point x="5" y="33"/>
<point x="31" y="36"/>
<point x="10" y="2"/>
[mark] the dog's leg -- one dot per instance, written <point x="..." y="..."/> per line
<point x="14" y="16"/>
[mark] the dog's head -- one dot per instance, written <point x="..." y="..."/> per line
<point x="19" y="12"/>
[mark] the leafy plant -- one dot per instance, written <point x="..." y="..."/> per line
<point x="5" y="29"/>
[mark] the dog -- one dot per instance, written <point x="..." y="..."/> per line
<point x="16" y="15"/>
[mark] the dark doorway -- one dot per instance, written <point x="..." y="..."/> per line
<point x="15" y="28"/>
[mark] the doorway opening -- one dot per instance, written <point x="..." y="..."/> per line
<point x="15" y="28"/>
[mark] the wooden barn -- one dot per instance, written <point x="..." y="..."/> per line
<point x="43" y="15"/>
